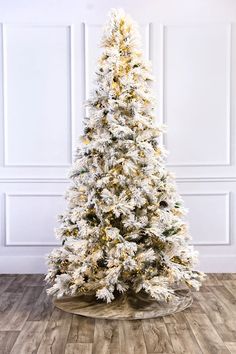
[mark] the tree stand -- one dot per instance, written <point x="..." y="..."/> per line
<point x="129" y="306"/>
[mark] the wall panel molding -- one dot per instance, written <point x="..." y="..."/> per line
<point x="228" y="118"/>
<point x="70" y="112"/>
<point x="227" y="221"/>
<point x="8" y="242"/>
<point x="66" y="180"/>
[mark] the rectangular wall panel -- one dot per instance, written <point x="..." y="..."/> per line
<point x="30" y="219"/>
<point x="197" y="94"/>
<point x="208" y="217"/>
<point x="37" y="95"/>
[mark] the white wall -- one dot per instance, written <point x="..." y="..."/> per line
<point x="47" y="55"/>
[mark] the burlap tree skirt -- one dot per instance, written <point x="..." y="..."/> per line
<point x="130" y="306"/>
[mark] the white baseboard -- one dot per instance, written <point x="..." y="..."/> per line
<point x="217" y="264"/>
<point x="22" y="265"/>
<point x="37" y="264"/>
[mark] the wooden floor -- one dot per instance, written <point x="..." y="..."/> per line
<point x="30" y="324"/>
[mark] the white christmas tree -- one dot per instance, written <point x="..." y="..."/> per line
<point x="124" y="228"/>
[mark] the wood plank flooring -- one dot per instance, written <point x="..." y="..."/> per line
<point x="29" y="323"/>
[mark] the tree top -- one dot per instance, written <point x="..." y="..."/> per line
<point x="121" y="31"/>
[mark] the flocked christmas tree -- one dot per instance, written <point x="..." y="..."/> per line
<point x="124" y="228"/>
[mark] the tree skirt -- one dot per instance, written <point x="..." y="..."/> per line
<point x="130" y="306"/>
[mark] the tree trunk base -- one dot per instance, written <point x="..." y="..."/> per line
<point x="130" y="306"/>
